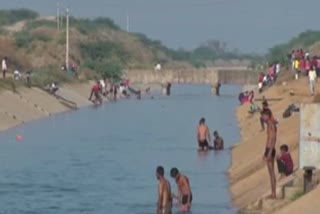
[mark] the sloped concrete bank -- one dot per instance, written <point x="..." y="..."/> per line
<point x="29" y="104"/>
<point x="249" y="179"/>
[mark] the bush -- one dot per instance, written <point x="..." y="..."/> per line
<point x="8" y="17"/>
<point x="40" y="23"/>
<point x="87" y="26"/>
<point x="23" y="39"/>
<point x="42" y="34"/>
<point x="105" y="69"/>
<point x="103" y="50"/>
<point x="44" y="76"/>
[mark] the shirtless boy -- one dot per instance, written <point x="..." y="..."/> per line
<point x="184" y="196"/>
<point x="218" y="143"/>
<point x="203" y="135"/>
<point x="164" y="203"/>
<point x="270" y="152"/>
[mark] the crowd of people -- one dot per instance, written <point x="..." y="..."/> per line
<point x="113" y="91"/>
<point x="304" y="64"/>
<point x="267" y="79"/>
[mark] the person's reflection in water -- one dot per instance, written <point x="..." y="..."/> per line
<point x="202" y="154"/>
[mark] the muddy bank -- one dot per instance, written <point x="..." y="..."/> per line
<point x="196" y="76"/>
<point x="249" y="179"/>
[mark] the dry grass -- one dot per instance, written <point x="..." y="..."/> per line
<point x="285" y="76"/>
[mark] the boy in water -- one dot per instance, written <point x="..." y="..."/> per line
<point x="270" y="152"/>
<point x="164" y="203"/>
<point x="284" y="162"/>
<point x="203" y="135"/>
<point x="184" y="196"/>
<point x="218" y="143"/>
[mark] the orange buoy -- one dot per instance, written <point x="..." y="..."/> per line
<point x="19" y="138"/>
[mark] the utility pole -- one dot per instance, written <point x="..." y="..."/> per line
<point x="67" y="38"/>
<point x="58" y="16"/>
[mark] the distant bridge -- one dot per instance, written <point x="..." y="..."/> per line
<point x="196" y="76"/>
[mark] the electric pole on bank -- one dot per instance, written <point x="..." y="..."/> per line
<point x="67" y="38"/>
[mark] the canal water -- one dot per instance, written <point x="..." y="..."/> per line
<point x="103" y="160"/>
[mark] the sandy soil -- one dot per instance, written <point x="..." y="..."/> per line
<point x="248" y="173"/>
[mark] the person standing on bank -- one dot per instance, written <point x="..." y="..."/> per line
<point x="270" y="151"/>
<point x="312" y="80"/>
<point x="4" y="67"/>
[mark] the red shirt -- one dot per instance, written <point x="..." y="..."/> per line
<point x="314" y="62"/>
<point x="307" y="65"/>
<point x="287" y="160"/>
<point x="260" y="78"/>
<point x="270" y="72"/>
<point x="302" y="64"/>
<point x="318" y="63"/>
<point x="126" y="83"/>
<point x="96" y="88"/>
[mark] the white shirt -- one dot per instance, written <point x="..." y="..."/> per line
<point x="277" y="68"/>
<point x="102" y="83"/>
<point x="4" y="64"/>
<point x="121" y="88"/>
<point x="312" y="75"/>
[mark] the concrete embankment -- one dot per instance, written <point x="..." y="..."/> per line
<point x="29" y="104"/>
<point x="196" y="76"/>
<point x="249" y="179"/>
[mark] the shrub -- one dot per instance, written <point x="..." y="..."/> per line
<point x="40" y="23"/>
<point x="44" y="76"/>
<point x="105" y="69"/>
<point x="42" y="34"/>
<point x="8" y="17"/>
<point x="23" y="39"/>
<point x="87" y="26"/>
<point x="104" y="50"/>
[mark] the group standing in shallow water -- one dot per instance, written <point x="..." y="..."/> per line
<point x="204" y="139"/>
<point x="165" y="196"/>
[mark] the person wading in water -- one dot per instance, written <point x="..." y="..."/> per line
<point x="96" y="89"/>
<point x="203" y="135"/>
<point x="184" y="196"/>
<point x="164" y="204"/>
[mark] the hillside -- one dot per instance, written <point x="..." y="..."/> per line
<point x="99" y="45"/>
<point x="308" y="40"/>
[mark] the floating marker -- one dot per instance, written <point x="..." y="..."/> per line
<point x="19" y="138"/>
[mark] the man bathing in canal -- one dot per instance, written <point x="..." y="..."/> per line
<point x="184" y="196"/>
<point x="218" y="143"/>
<point x="270" y="152"/>
<point x="203" y="135"/>
<point x="164" y="203"/>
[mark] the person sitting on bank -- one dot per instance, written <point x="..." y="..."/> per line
<point x="53" y="88"/>
<point x="218" y="143"/>
<point x="284" y="162"/>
